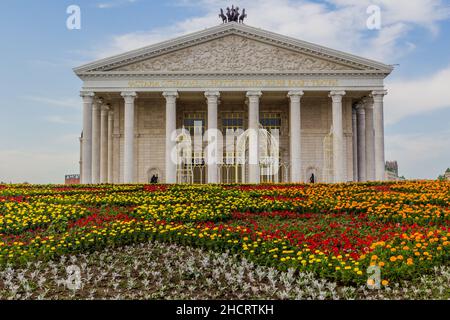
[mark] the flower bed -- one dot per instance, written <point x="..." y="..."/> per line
<point x="335" y="231"/>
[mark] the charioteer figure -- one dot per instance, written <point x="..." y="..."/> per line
<point x="232" y="15"/>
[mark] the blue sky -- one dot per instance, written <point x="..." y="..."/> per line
<point x="40" y="106"/>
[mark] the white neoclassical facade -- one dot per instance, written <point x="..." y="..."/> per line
<point x="326" y="107"/>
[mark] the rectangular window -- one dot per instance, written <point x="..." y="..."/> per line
<point x="195" y="121"/>
<point x="195" y="124"/>
<point x="232" y="120"/>
<point x="271" y="121"/>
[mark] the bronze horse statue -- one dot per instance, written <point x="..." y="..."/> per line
<point x="243" y="16"/>
<point x="229" y="16"/>
<point x="223" y="16"/>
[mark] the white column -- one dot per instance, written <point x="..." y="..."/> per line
<point x="110" y="146"/>
<point x="295" y="132"/>
<point x="88" y="99"/>
<point x="338" y="137"/>
<point x="253" y="126"/>
<point x="96" y="126"/>
<point x="129" y="137"/>
<point x="355" y="143"/>
<point x="171" y="126"/>
<point x="104" y="144"/>
<point x="370" y="142"/>
<point x="212" y="156"/>
<point x="362" y="164"/>
<point x="80" y="163"/>
<point x="378" y="119"/>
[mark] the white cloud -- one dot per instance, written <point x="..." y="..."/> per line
<point x="409" y="97"/>
<point x="420" y="156"/>
<point x="386" y="43"/>
<point x="340" y="24"/>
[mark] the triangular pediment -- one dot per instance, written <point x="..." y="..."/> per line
<point x="233" y="48"/>
<point x="234" y="53"/>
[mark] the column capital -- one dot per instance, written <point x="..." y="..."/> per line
<point x="97" y="104"/>
<point x="212" y="94"/>
<point x="360" y="108"/>
<point x="378" y="95"/>
<point x="87" y="95"/>
<point x="105" y="109"/>
<point x="129" y="96"/>
<point x="367" y="102"/>
<point x="337" y="95"/>
<point x="295" y="95"/>
<point x="170" y="95"/>
<point x="254" y="94"/>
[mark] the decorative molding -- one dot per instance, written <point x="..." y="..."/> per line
<point x="234" y="53"/>
<point x="178" y="75"/>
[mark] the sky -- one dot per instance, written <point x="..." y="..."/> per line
<point x="40" y="107"/>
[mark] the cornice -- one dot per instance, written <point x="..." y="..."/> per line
<point x="233" y="29"/>
<point x="177" y="75"/>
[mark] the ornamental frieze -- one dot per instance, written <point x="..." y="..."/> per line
<point x="234" y="54"/>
